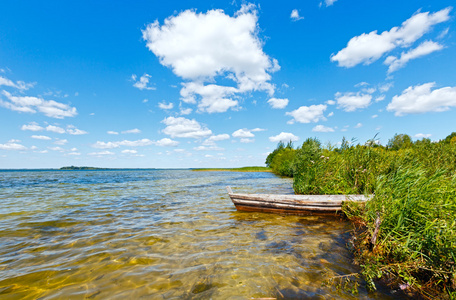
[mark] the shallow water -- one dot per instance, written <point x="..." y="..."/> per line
<point x="161" y="234"/>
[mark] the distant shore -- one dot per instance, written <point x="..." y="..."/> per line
<point x="243" y="169"/>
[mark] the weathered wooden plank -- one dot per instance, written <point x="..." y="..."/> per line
<point x="289" y="201"/>
<point x="287" y="206"/>
<point x="286" y="211"/>
<point x="293" y="204"/>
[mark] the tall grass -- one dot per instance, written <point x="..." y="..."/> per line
<point x="407" y="232"/>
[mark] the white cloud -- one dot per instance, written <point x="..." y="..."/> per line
<point x="329" y="2"/>
<point x="422" y="135"/>
<point x="246" y="140"/>
<point x="307" y="114"/>
<point x="374" y="116"/>
<point x="208" y="148"/>
<point x="136" y="130"/>
<point x="165" y="106"/>
<point x="331" y="114"/>
<point x="129" y="151"/>
<point x="41" y="137"/>
<point x="74" y="153"/>
<point x="101" y="153"/>
<point x="33" y="126"/>
<point x="215" y="138"/>
<point x="204" y="47"/>
<point x="321" y="128"/>
<point x="359" y="125"/>
<point x="113" y="132"/>
<point x="351" y="101"/>
<point x="12" y="145"/>
<point x="423" y="49"/>
<point x="385" y="87"/>
<point x="330" y="102"/>
<point x="166" y="142"/>
<point x="56" y="129"/>
<point x="367" y="48"/>
<point x="258" y="129"/>
<point x="214" y="98"/>
<point x="142" y="82"/>
<point x="61" y="142"/>
<point x="20" y="85"/>
<point x="49" y="108"/>
<point x="60" y="149"/>
<point x="74" y="131"/>
<point x="420" y="99"/>
<point x="111" y="145"/>
<point x="185" y="128"/>
<point x="278" y="103"/>
<point x="283" y="137"/>
<point x="185" y="111"/>
<point x="380" y="98"/>
<point x="243" y="133"/>
<point x="295" y="15"/>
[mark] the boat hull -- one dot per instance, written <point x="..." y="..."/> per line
<point x="293" y="204"/>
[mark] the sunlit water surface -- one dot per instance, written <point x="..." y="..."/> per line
<point x="161" y="234"/>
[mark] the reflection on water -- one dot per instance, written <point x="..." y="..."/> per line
<point x="160" y="234"/>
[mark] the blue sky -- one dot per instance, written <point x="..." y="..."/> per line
<point x="168" y="84"/>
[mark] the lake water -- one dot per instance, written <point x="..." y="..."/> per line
<point x="161" y="234"/>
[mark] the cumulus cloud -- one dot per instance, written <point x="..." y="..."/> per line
<point x="422" y="135"/>
<point x="215" y="138"/>
<point x="185" y="128"/>
<point x="421" y="99"/>
<point x="278" y="103"/>
<point x="321" y="128"/>
<point x="101" y="153"/>
<point x="20" y="85"/>
<point x="12" y="145"/>
<point x="49" y="108"/>
<point x="75" y="131"/>
<point x="55" y="129"/>
<point x="359" y="125"/>
<point x="41" y="137"/>
<point x="113" y="132"/>
<point x="367" y="48"/>
<point x="243" y="133"/>
<point x="283" y="137"/>
<point x="33" y="126"/>
<point x="166" y="142"/>
<point x="208" y="148"/>
<point x="423" y="49"/>
<point x="127" y="151"/>
<point x="329" y="2"/>
<point x="205" y="47"/>
<point x="111" y="145"/>
<point x="380" y="98"/>
<point x="62" y="142"/>
<point x="307" y="114"/>
<point x="352" y="101"/>
<point x="246" y="140"/>
<point x="295" y="15"/>
<point x="165" y="106"/>
<point x="136" y="130"/>
<point x="142" y="83"/>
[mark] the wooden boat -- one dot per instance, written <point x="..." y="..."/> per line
<point x="292" y="204"/>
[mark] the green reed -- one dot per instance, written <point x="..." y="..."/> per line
<point x="407" y="232"/>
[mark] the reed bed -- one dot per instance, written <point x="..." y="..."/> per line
<point x="406" y="235"/>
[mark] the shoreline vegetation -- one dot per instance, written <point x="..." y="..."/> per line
<point x="243" y="169"/>
<point x="406" y="234"/>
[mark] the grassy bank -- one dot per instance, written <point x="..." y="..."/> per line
<point x="243" y="169"/>
<point x="407" y="233"/>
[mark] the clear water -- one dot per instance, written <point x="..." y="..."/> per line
<point x="161" y="234"/>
